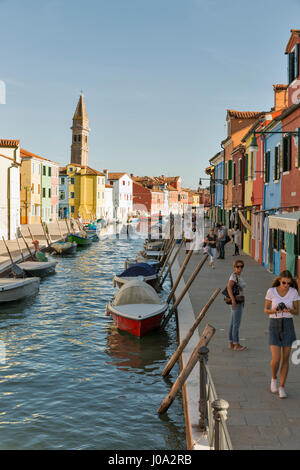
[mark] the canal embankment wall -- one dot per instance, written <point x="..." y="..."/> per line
<point x="56" y="231"/>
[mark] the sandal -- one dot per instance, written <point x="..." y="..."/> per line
<point x="240" y="348"/>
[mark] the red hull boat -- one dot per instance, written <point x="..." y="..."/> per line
<point x="137" y="308"/>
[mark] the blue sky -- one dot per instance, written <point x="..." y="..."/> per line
<point x="157" y="76"/>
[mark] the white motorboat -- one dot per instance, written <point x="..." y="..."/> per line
<point x="38" y="268"/>
<point x="16" y="289"/>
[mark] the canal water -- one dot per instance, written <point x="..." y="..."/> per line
<point x="70" y="379"/>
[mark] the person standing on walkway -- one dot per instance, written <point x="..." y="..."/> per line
<point x="211" y="243"/>
<point x="236" y="308"/>
<point x="282" y="304"/>
<point x="222" y="240"/>
<point x="236" y="239"/>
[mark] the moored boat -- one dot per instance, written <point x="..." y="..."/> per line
<point x="17" y="289"/>
<point x="140" y="271"/>
<point x="80" y="240"/>
<point x="151" y="262"/>
<point x="38" y="268"/>
<point x="63" y="248"/>
<point x="137" y="308"/>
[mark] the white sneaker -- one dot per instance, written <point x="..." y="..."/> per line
<point x="282" y="393"/>
<point x="274" y="386"/>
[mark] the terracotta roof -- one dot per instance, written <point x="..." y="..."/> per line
<point x="27" y="154"/>
<point x="9" y="143"/>
<point x="170" y="188"/>
<point x="91" y="171"/>
<point x="244" y="114"/>
<point x="115" y="176"/>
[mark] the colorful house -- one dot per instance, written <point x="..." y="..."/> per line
<point x="63" y="194"/>
<point x="10" y="163"/>
<point x="218" y="214"/>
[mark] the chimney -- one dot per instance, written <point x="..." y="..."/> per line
<point x="131" y="175"/>
<point x="105" y="172"/>
<point x="280" y="97"/>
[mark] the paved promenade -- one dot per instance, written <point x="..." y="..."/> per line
<point x="257" y="419"/>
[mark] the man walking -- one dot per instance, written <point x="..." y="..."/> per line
<point x="221" y="234"/>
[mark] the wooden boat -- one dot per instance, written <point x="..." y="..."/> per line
<point x="17" y="289"/>
<point x="92" y="235"/>
<point x="152" y="254"/>
<point x="137" y="308"/>
<point x="154" y="245"/>
<point x="151" y="262"/>
<point x="140" y="271"/>
<point x="38" y="268"/>
<point x="80" y="240"/>
<point x="63" y="248"/>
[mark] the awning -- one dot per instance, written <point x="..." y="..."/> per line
<point x="244" y="221"/>
<point x="286" y="222"/>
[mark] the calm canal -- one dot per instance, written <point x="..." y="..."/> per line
<point x="71" y="380"/>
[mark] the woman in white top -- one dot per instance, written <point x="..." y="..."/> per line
<point x="281" y="306"/>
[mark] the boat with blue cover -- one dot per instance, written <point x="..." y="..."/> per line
<point x="141" y="271"/>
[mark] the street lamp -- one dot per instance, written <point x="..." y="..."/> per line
<point x="254" y="146"/>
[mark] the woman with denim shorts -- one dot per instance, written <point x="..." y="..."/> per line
<point x="281" y="305"/>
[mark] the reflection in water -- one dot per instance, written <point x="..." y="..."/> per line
<point x="72" y="380"/>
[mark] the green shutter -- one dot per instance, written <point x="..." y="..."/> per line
<point x="246" y="167"/>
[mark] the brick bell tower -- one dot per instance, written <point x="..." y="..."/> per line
<point x="80" y="134"/>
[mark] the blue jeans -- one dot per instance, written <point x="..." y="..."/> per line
<point x="222" y="249"/>
<point x="235" y="320"/>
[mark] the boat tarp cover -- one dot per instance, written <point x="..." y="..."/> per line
<point x="138" y="269"/>
<point x="136" y="292"/>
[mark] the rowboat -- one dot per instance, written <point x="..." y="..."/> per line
<point x="151" y="262"/>
<point x="152" y="254"/>
<point x="17" y="289"/>
<point x="63" y="248"/>
<point x="81" y="241"/>
<point x="38" y="268"/>
<point x="141" y="271"/>
<point x="137" y="308"/>
<point x="154" y="245"/>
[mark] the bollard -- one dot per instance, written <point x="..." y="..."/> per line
<point x="220" y="408"/>
<point x="203" y="358"/>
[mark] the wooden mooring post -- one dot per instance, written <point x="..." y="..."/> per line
<point x="20" y="250"/>
<point x="26" y="244"/>
<point x="172" y="262"/>
<point x="166" y="260"/>
<point x="205" y="338"/>
<point x="179" y="276"/>
<point x="45" y="233"/>
<point x="189" y="334"/>
<point x="184" y="291"/>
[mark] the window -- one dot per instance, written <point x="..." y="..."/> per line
<point x="123" y="183"/>
<point x="32" y="188"/>
<point x="229" y="170"/>
<point x="72" y="209"/>
<point x="39" y="189"/>
<point x="276" y="164"/>
<point x="71" y="168"/>
<point x="49" y="192"/>
<point x="267" y="166"/>
<point x="72" y="195"/>
<point x="62" y="181"/>
<point x="287" y="153"/>
<point x="49" y="171"/>
<point x="32" y="209"/>
<point x="75" y="138"/>
<point x="44" y="170"/>
<point x="62" y="195"/>
<point x="240" y="171"/>
<point x="44" y="192"/>
<point x="79" y="138"/>
<point x="233" y="173"/>
<point x="293" y="64"/>
<point x="72" y="180"/>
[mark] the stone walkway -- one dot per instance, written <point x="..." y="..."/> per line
<point x="257" y="419"/>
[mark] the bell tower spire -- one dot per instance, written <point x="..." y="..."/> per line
<point x="80" y="134"/>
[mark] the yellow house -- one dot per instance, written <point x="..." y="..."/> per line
<point x="30" y="189"/>
<point x="86" y="192"/>
<point x="248" y="198"/>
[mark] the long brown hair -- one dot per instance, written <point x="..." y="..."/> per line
<point x="286" y="274"/>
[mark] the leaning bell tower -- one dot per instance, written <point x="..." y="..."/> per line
<point x="80" y="134"/>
